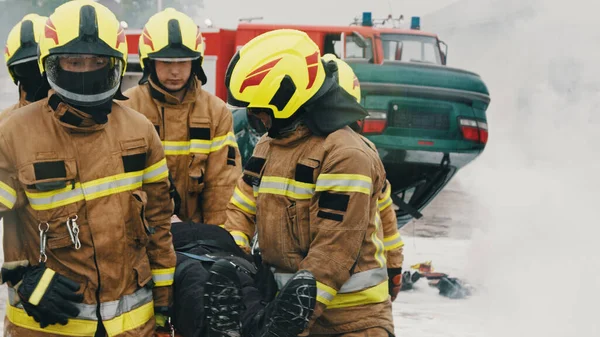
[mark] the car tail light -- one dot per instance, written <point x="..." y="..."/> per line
<point x="473" y="130"/>
<point x="375" y="123"/>
<point x="483" y="132"/>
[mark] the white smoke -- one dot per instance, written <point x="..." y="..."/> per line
<point x="536" y="254"/>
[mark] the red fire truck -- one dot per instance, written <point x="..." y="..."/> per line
<point x="347" y="42"/>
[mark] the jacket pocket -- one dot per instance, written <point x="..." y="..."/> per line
<point x="51" y="189"/>
<point x="138" y="230"/>
<point x="133" y="154"/>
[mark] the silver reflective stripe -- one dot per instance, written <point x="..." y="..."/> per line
<point x="9" y="197"/>
<point x="38" y="201"/>
<point x="176" y="147"/>
<point x="83" y="98"/>
<point x="108" y="310"/>
<point x="342" y="183"/>
<point x="112" y="309"/>
<point x="286" y="187"/>
<point x="195" y="145"/>
<point x="364" y="280"/>
<point x="159" y="170"/>
<point x="162" y="278"/>
<point x="113" y="184"/>
<point x="393" y="242"/>
<point x="357" y="282"/>
<point x="327" y="296"/>
<point x="244" y="203"/>
<point x="229" y="137"/>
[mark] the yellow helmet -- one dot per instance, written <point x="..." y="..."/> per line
<point x="22" y="43"/>
<point x="172" y="36"/>
<point x="279" y="71"/>
<point x="83" y="31"/>
<point x="346" y="77"/>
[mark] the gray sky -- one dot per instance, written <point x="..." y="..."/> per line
<point x="225" y="13"/>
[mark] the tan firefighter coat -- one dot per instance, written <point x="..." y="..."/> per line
<point x="110" y="180"/>
<point x="316" y="208"/>
<point x="201" y="149"/>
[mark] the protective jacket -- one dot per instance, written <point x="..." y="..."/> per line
<point x="108" y="180"/>
<point x="202" y="153"/>
<point x="316" y="208"/>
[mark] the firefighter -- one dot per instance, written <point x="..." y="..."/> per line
<point x="195" y="126"/>
<point x="316" y="185"/>
<point x="90" y="190"/>
<point x="20" y="54"/>
<point x="394" y="245"/>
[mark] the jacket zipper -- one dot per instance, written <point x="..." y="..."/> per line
<point x="163" y="123"/>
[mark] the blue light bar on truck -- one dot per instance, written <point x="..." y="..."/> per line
<point x="415" y="22"/>
<point x="367" y="19"/>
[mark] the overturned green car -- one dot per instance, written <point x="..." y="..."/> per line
<point x="427" y="120"/>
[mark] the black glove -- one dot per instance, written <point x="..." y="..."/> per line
<point x="47" y="296"/>
<point x="394" y="281"/>
<point x="12" y="272"/>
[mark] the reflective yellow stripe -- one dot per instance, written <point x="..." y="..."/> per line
<point x="240" y="238"/>
<point x="41" y="201"/>
<point x="156" y="172"/>
<point x="393" y="242"/>
<point x="376" y="294"/>
<point x="286" y="187"/>
<point x="325" y="294"/>
<point x="241" y="201"/>
<point x="41" y="287"/>
<point x="8" y="196"/>
<point x="175" y="148"/>
<point x="384" y="203"/>
<point x="344" y="183"/>
<point x="129" y="320"/>
<point x="379" y="246"/>
<point x="163" y="277"/>
<point x="112" y="185"/>
<point x="80" y="327"/>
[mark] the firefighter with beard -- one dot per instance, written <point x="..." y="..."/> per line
<point x="20" y="54"/>
<point x="195" y="126"/>
<point x="394" y="245"/>
<point x="90" y="190"/>
<point x="316" y="185"/>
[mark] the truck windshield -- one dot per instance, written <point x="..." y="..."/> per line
<point x="410" y="48"/>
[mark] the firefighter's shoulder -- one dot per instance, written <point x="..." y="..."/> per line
<point x="345" y="139"/>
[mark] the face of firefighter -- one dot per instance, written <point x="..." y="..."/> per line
<point x="83" y="63"/>
<point x="263" y="116"/>
<point x="173" y="75"/>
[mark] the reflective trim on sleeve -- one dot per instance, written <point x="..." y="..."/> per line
<point x="163" y="277"/>
<point x="379" y="246"/>
<point x="8" y="196"/>
<point x="240" y="238"/>
<point x="241" y="201"/>
<point x="325" y="294"/>
<point x="156" y="172"/>
<point x="286" y="187"/>
<point x="344" y="183"/>
<point x="393" y="242"/>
